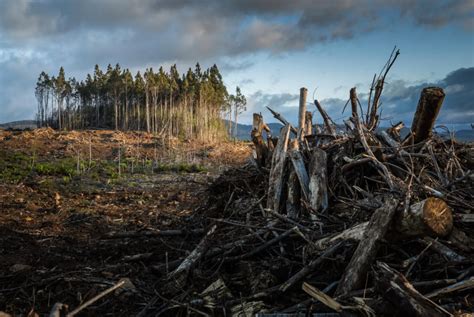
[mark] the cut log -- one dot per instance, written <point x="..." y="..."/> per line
<point x="431" y="216"/>
<point x="354" y="233"/>
<point x="261" y="147"/>
<point x="356" y="271"/>
<point x="318" y="189"/>
<point x="404" y="226"/>
<point x="405" y="299"/>
<point x="180" y="274"/>
<point x="430" y="102"/>
<point x="293" y="186"/>
<point x="300" y="169"/>
<point x="302" y="113"/>
<point x="277" y="172"/>
<point x="293" y="196"/>
<point x="308" y="126"/>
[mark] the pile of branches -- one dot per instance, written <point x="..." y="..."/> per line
<point x="325" y="221"/>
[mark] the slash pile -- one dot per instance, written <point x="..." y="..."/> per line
<point x="326" y="221"/>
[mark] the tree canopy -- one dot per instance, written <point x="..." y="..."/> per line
<point x="190" y="105"/>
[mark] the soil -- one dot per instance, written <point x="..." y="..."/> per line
<point x="62" y="196"/>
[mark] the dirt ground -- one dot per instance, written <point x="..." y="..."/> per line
<point x="64" y="194"/>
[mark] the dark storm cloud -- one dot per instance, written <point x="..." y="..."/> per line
<point x="398" y="101"/>
<point x="44" y="34"/>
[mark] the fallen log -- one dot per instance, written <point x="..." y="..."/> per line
<point x="277" y="173"/>
<point x="180" y="274"/>
<point x="355" y="273"/>
<point x="406" y="224"/>
<point x="405" y="299"/>
<point x="431" y="216"/>
<point x="429" y="105"/>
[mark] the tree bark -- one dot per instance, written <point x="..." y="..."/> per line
<point x="318" y="191"/>
<point x="357" y="269"/>
<point x="308" y="126"/>
<point x="276" y="179"/>
<point x="260" y="147"/>
<point x="431" y="100"/>
<point x="302" y="114"/>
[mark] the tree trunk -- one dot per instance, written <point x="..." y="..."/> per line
<point x="276" y="179"/>
<point x="431" y="100"/>
<point x="318" y="191"/>
<point x="260" y="147"/>
<point x="308" y="126"/>
<point x="302" y="114"/>
<point x="356" y="271"/>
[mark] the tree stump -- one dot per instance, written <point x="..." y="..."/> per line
<point x="430" y="102"/>
<point x="261" y="148"/>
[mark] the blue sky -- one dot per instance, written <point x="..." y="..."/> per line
<point x="269" y="48"/>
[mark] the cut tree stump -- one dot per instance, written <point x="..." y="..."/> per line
<point x="302" y="114"/>
<point x="431" y="216"/>
<point x="261" y="147"/>
<point x="430" y="102"/>
<point x="318" y="188"/>
<point x="277" y="172"/>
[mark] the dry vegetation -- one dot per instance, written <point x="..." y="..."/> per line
<point x="61" y="194"/>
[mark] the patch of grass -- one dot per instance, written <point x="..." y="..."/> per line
<point x="180" y="167"/>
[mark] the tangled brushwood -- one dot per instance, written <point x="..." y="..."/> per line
<point x="356" y="221"/>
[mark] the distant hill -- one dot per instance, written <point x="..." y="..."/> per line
<point x="22" y="124"/>
<point x="243" y="130"/>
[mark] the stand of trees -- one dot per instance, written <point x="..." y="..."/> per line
<point x="191" y="105"/>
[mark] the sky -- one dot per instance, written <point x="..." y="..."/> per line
<point x="268" y="48"/>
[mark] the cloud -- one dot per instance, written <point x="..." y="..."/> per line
<point x="398" y="102"/>
<point x="142" y="33"/>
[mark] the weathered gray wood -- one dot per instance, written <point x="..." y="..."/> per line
<point x="327" y="120"/>
<point x="261" y="148"/>
<point x="182" y="271"/>
<point x="280" y="118"/>
<point x="293" y="198"/>
<point x="356" y="271"/>
<point x="355" y="233"/>
<point x="318" y="191"/>
<point x="308" y="126"/>
<point x="308" y="268"/>
<point x="429" y="105"/>
<point x="300" y="169"/>
<point x="406" y="300"/>
<point x="460" y="286"/>
<point x="276" y="179"/>
<point x="302" y="113"/>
